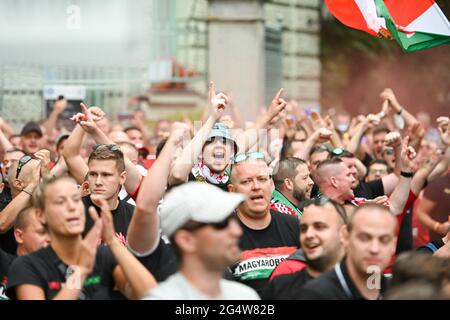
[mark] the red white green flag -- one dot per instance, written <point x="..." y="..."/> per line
<point x="414" y="24"/>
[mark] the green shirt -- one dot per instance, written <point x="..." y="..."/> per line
<point x="282" y="204"/>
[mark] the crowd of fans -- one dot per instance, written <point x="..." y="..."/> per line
<point x="295" y="205"/>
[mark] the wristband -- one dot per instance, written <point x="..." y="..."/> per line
<point x="436" y="226"/>
<point x="406" y="174"/>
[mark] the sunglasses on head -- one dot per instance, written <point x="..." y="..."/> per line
<point x="195" y="225"/>
<point x="337" y="151"/>
<point x="110" y="147"/>
<point x="23" y="161"/>
<point x="240" y="157"/>
<point x="322" y="201"/>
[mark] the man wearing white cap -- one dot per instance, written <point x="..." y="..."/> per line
<point x="205" y="235"/>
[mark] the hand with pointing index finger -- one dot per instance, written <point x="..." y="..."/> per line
<point x="407" y="155"/>
<point x="278" y="104"/>
<point x="87" y="122"/>
<point x="218" y="102"/>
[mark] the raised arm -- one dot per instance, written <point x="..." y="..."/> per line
<point x="388" y="94"/>
<point x="4" y="142"/>
<point x="89" y="124"/>
<point x="143" y="231"/>
<point x="20" y="202"/>
<point x="399" y="196"/>
<point x="76" y="165"/>
<point x="139" y="122"/>
<point x="58" y="108"/>
<point x="6" y="128"/>
<point x="319" y="122"/>
<point x="183" y="165"/>
<point x="247" y="139"/>
<point x="442" y="166"/>
<point x="421" y="176"/>
<point x="359" y="130"/>
<point x="393" y="139"/>
<point x="322" y="134"/>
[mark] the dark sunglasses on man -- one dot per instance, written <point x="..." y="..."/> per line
<point x="194" y="225"/>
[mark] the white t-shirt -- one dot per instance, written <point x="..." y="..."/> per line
<point x="177" y="287"/>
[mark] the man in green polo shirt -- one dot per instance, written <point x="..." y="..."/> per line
<point x="292" y="185"/>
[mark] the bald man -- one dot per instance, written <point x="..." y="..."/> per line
<point x="30" y="235"/>
<point x="335" y="180"/>
<point x="23" y="177"/>
<point x="268" y="237"/>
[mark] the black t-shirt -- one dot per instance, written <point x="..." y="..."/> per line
<point x="6" y="260"/>
<point x="263" y="250"/>
<point x="43" y="268"/>
<point x="281" y="286"/>
<point x="121" y="217"/>
<point x="369" y="190"/>
<point x="162" y="262"/>
<point x="335" y="284"/>
<point x="7" y="239"/>
<point x="367" y="159"/>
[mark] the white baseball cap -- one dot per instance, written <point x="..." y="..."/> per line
<point x="197" y="201"/>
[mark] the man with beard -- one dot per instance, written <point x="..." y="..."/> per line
<point x="320" y="229"/>
<point x="292" y="186"/>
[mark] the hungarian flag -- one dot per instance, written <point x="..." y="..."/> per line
<point x="414" y="24"/>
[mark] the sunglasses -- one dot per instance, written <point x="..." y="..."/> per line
<point x="240" y="157"/>
<point x="110" y="147"/>
<point x="337" y="151"/>
<point x="321" y="201"/>
<point x="389" y="151"/>
<point x="195" y="225"/>
<point x="375" y="171"/>
<point x="23" y="161"/>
